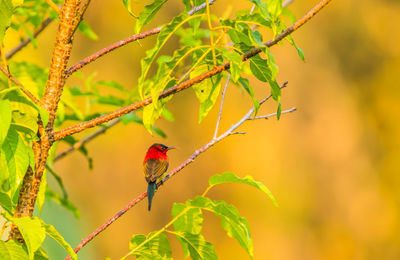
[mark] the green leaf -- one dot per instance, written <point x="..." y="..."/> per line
<point x="6" y="12"/>
<point x="275" y="8"/>
<point x="86" y="30"/>
<point x="245" y="83"/>
<point x="41" y="255"/>
<point x="299" y="51"/>
<point x="5" y="115"/>
<point x="260" y="68"/>
<point x="32" y="231"/>
<point x="206" y="91"/>
<point x="52" y="232"/>
<point x="111" y="84"/>
<point x="235" y="225"/>
<point x="14" y="160"/>
<point x="42" y="192"/>
<point x="157" y="247"/>
<point x="191" y="221"/>
<point x="236" y="63"/>
<point x="166" y="32"/>
<point x="279" y="111"/>
<point x="198" y="247"/>
<point x="64" y="202"/>
<point x="147" y="14"/>
<point x="228" y="177"/>
<point x="262" y="7"/>
<point x="12" y="250"/>
<point x="6" y="203"/>
<point x="127" y="4"/>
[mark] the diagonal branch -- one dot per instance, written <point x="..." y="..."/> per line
<point x="23" y="89"/>
<point x="229" y="132"/>
<point x="186" y="84"/>
<point x="124" y="42"/>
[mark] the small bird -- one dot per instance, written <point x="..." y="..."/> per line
<point x="155" y="164"/>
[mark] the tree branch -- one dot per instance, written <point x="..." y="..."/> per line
<point x="222" y="104"/>
<point x="27" y="40"/>
<point x="69" y="19"/>
<point x="186" y="84"/>
<point x="22" y="88"/>
<point x="123" y="42"/>
<point x="229" y="132"/>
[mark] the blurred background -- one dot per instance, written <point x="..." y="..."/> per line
<point x="333" y="165"/>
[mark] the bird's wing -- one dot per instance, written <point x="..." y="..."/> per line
<point x="154" y="169"/>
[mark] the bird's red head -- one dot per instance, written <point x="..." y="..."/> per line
<point x="158" y="151"/>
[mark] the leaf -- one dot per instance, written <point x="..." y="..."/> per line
<point x="147" y="14"/>
<point x="235" y="225"/>
<point x="111" y="84"/>
<point x="245" y="83"/>
<point x="127" y="4"/>
<point x="6" y="12"/>
<point x="52" y="232"/>
<point x="12" y="250"/>
<point x="14" y="159"/>
<point x="236" y="63"/>
<point x="274" y="8"/>
<point x="191" y="221"/>
<point x="260" y="68"/>
<point x="64" y="202"/>
<point x="87" y="30"/>
<point x="32" y="231"/>
<point x="198" y="247"/>
<point x="206" y="91"/>
<point x="279" y="111"/>
<point x="6" y="203"/>
<point x="42" y="192"/>
<point x="262" y="7"/>
<point x="5" y="115"/>
<point x="166" y="32"/>
<point x="157" y="247"/>
<point x="228" y="177"/>
<point x="299" y="51"/>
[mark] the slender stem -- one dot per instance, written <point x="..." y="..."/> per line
<point x="222" y="104"/>
<point x="273" y="114"/>
<point x="27" y="40"/>
<point x="22" y="88"/>
<point x="186" y="84"/>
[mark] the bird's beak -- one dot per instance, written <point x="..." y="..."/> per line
<point x="171" y="147"/>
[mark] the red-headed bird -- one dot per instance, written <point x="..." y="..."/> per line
<point x="155" y="164"/>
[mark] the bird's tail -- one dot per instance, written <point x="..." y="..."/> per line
<point x="151" y="189"/>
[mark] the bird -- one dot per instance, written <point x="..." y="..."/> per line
<point x="155" y="164"/>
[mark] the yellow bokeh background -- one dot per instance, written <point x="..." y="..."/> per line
<point x="333" y="165"/>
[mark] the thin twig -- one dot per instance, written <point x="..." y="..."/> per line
<point x="273" y="114"/>
<point x="222" y="104"/>
<point x="124" y="42"/>
<point x="198" y="8"/>
<point x="229" y="132"/>
<point x="27" y="40"/>
<point x="186" y="84"/>
<point x="287" y="2"/>
<point x="22" y="88"/>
